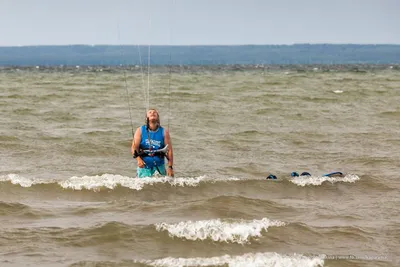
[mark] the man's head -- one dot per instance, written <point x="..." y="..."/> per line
<point x="152" y="116"/>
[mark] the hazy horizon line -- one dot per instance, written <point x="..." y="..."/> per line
<point x="175" y="45"/>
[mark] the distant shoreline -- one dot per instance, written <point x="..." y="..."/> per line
<point x="295" y="68"/>
<point x="200" y="45"/>
<point x="203" y="55"/>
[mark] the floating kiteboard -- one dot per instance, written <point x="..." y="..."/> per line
<point x="296" y="174"/>
<point x="272" y="177"/>
<point x="334" y="174"/>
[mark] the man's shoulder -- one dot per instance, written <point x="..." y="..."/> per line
<point x="139" y="129"/>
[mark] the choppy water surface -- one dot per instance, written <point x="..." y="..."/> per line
<point x="69" y="196"/>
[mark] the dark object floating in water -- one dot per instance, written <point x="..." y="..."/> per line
<point x="296" y="174"/>
<point x="334" y="174"/>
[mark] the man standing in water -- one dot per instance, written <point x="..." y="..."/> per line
<point x="151" y="143"/>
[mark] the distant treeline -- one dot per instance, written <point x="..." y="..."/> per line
<point x="108" y="55"/>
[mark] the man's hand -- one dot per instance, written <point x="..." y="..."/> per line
<point x="140" y="162"/>
<point x="170" y="172"/>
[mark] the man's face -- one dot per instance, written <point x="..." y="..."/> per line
<point x="152" y="114"/>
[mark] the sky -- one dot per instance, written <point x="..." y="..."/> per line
<point x="198" y="22"/>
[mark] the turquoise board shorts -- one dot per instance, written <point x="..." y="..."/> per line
<point x="144" y="172"/>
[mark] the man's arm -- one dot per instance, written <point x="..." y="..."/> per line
<point x="136" y="141"/>
<point x="135" y="146"/>
<point x="170" y="154"/>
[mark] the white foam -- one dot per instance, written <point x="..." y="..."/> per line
<point x="250" y="259"/>
<point x="96" y="182"/>
<point x="240" y="231"/>
<point x="338" y="91"/>
<point x="318" y="180"/>
<point x="22" y="181"/>
<point x="112" y="180"/>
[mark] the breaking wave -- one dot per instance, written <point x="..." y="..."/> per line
<point x="238" y="231"/>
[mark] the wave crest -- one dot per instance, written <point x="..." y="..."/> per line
<point x="222" y="231"/>
<point x="318" y="180"/>
<point x="249" y="259"/>
<point x="111" y="181"/>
